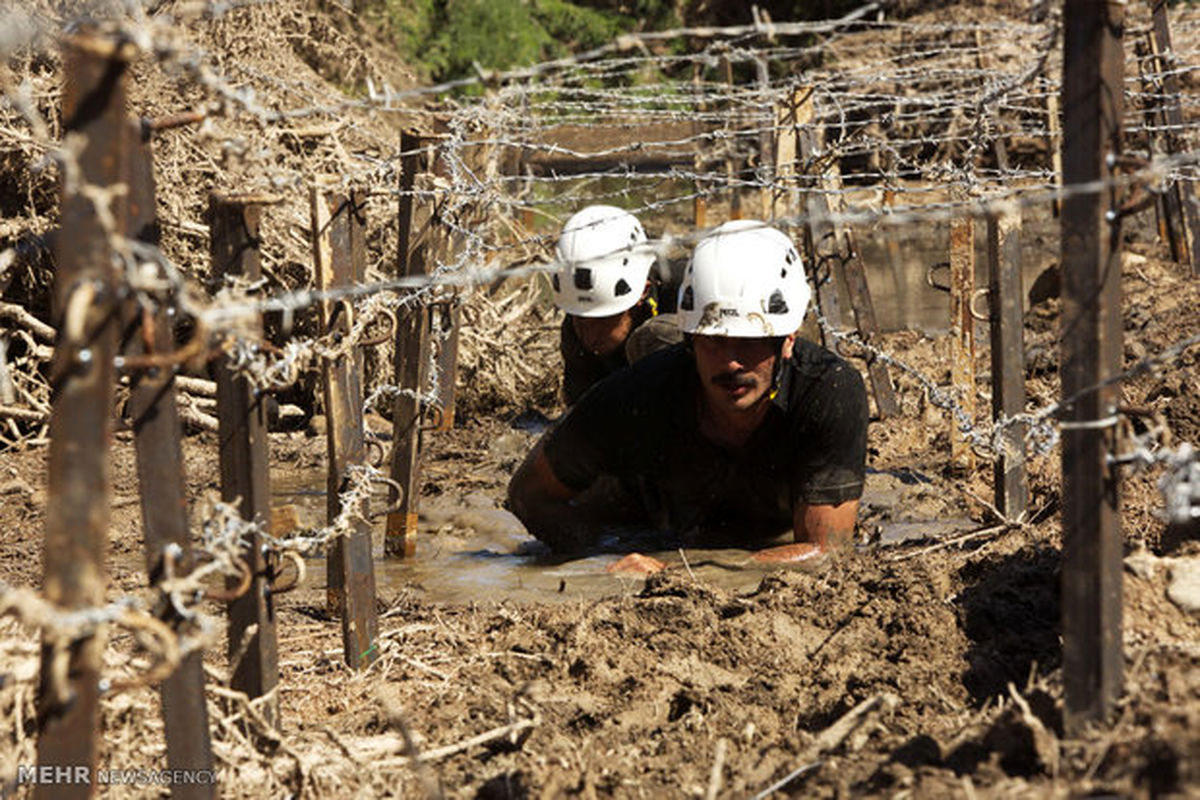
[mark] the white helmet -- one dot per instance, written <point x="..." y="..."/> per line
<point x="745" y="279"/>
<point x="604" y="261"/>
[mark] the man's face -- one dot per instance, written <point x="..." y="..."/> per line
<point x="735" y="373"/>
<point x="603" y="335"/>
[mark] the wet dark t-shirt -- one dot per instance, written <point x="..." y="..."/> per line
<point x="583" y="368"/>
<point x="640" y="427"/>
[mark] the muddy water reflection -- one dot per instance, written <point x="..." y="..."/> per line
<point x="470" y="551"/>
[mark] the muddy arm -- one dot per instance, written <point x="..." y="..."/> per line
<point x="817" y="529"/>
<point x="544" y="504"/>
<point x="825" y="526"/>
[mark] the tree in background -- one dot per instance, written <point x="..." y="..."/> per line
<point x="446" y="38"/>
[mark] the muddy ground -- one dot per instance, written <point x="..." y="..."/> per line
<point x="944" y="649"/>
<point x="675" y="685"/>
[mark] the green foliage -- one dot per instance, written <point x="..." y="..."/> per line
<point x="412" y="23"/>
<point x="574" y="26"/>
<point x="496" y="34"/>
<point x="446" y="38"/>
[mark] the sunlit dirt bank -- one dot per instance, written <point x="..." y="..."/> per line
<point x="924" y="663"/>
<point x="929" y="667"/>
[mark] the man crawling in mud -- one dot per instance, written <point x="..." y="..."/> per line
<point x="731" y="438"/>
<point x="612" y="303"/>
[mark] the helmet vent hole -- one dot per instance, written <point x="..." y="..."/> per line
<point x="554" y="282"/>
<point x="688" y="301"/>
<point x="621" y="288"/>
<point x="583" y="278"/>
<point x="625" y="261"/>
<point x="791" y="256"/>
<point x="783" y="272"/>
<point x="777" y="305"/>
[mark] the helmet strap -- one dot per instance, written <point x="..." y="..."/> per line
<point x="777" y="370"/>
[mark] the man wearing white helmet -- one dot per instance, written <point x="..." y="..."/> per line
<point x="602" y="283"/>
<point x="738" y="435"/>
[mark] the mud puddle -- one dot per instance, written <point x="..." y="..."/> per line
<point x="470" y="550"/>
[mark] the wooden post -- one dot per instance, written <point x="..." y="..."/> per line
<point x="1168" y="213"/>
<point x="732" y="163"/>
<point x="340" y="259"/>
<point x="1008" y="357"/>
<point x="766" y="158"/>
<point x="242" y="432"/>
<point x="791" y="115"/>
<point x="891" y="242"/>
<point x="157" y="434"/>
<point x="1091" y="354"/>
<point x="82" y="377"/>
<point x="445" y="321"/>
<point x="699" y="201"/>
<point x="1173" y="114"/>
<point x="1055" y="142"/>
<point x="444" y="242"/>
<point x="962" y="334"/>
<point x="841" y="253"/>
<point x="411" y="366"/>
<point x="868" y="329"/>
<point x="824" y="250"/>
<point x="984" y="64"/>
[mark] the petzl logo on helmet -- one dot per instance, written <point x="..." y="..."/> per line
<point x="744" y="279"/>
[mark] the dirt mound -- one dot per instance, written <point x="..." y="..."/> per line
<point x="928" y="669"/>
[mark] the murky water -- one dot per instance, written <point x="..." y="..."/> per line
<point x="471" y="551"/>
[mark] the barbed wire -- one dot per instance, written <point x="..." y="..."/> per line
<point x="925" y="99"/>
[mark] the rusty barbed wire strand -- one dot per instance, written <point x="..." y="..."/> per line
<point x="924" y="93"/>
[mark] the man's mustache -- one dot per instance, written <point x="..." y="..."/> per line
<point x="734" y="379"/>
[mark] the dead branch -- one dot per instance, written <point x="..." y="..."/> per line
<point x="194" y="418"/>
<point x="201" y="387"/>
<point x="23" y="414"/>
<point x="15" y="314"/>
<point x="439" y="753"/>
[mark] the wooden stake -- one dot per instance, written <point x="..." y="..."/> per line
<point x="411" y="366"/>
<point x="445" y="320"/>
<point x="790" y="115"/>
<point x="1091" y="353"/>
<point x="765" y="139"/>
<point x="157" y="435"/>
<point x="823" y="256"/>
<point x="1173" y="114"/>
<point x="1168" y="214"/>
<point x="732" y="163"/>
<point x="1008" y="357"/>
<point x="1054" y="142"/>
<point x="868" y="329"/>
<point x="242" y="433"/>
<point x="82" y="378"/>
<point x="962" y="334"/>
<point x="340" y="259"/>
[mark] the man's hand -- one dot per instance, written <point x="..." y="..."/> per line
<point x="788" y="554"/>
<point x="637" y="564"/>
